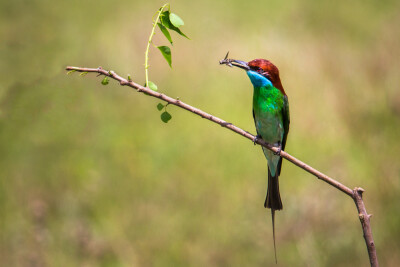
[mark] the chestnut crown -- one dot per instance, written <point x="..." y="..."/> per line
<point x="268" y="70"/>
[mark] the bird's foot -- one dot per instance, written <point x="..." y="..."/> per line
<point x="278" y="153"/>
<point x="256" y="139"/>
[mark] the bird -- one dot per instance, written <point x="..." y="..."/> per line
<point x="271" y="118"/>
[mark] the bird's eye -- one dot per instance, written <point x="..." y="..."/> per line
<point x="259" y="69"/>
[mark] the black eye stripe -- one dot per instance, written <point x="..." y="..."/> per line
<point x="266" y="74"/>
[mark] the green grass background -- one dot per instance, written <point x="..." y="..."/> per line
<point x="90" y="176"/>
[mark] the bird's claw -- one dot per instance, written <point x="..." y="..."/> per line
<point x="278" y="153"/>
<point x="256" y="139"/>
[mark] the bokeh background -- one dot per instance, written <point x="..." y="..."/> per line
<point x="90" y="176"/>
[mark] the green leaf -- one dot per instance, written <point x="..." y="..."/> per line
<point x="83" y="73"/>
<point x="175" y="20"/>
<point x="166" y="52"/>
<point x="181" y="33"/>
<point x="165" y="21"/>
<point x="152" y="86"/>
<point x="165" y="32"/>
<point x="71" y="71"/>
<point x="160" y="106"/>
<point x="105" y="81"/>
<point x="165" y="116"/>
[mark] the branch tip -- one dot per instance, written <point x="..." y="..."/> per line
<point x="360" y="190"/>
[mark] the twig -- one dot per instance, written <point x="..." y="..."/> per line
<point x="355" y="194"/>
<point x="146" y="61"/>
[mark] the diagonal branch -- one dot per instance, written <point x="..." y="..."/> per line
<point x="355" y="194"/>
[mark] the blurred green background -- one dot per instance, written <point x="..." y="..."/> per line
<point x="90" y="176"/>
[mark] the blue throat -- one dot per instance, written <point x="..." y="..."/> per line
<point x="258" y="80"/>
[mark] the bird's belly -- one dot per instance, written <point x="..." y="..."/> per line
<point x="270" y="127"/>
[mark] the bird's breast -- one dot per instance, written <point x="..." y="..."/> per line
<point x="267" y="106"/>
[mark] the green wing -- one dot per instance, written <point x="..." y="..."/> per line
<point x="286" y="122"/>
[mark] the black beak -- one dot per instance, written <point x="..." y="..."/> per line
<point x="234" y="62"/>
<point x="240" y="64"/>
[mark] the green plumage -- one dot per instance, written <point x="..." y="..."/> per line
<point x="271" y="118"/>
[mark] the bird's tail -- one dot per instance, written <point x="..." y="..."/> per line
<point x="273" y="201"/>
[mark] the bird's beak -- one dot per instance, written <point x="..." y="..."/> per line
<point x="233" y="62"/>
<point x="240" y="64"/>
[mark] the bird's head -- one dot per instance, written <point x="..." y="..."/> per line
<point x="260" y="71"/>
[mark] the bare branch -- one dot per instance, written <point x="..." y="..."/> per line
<point x="355" y="194"/>
<point x="364" y="219"/>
